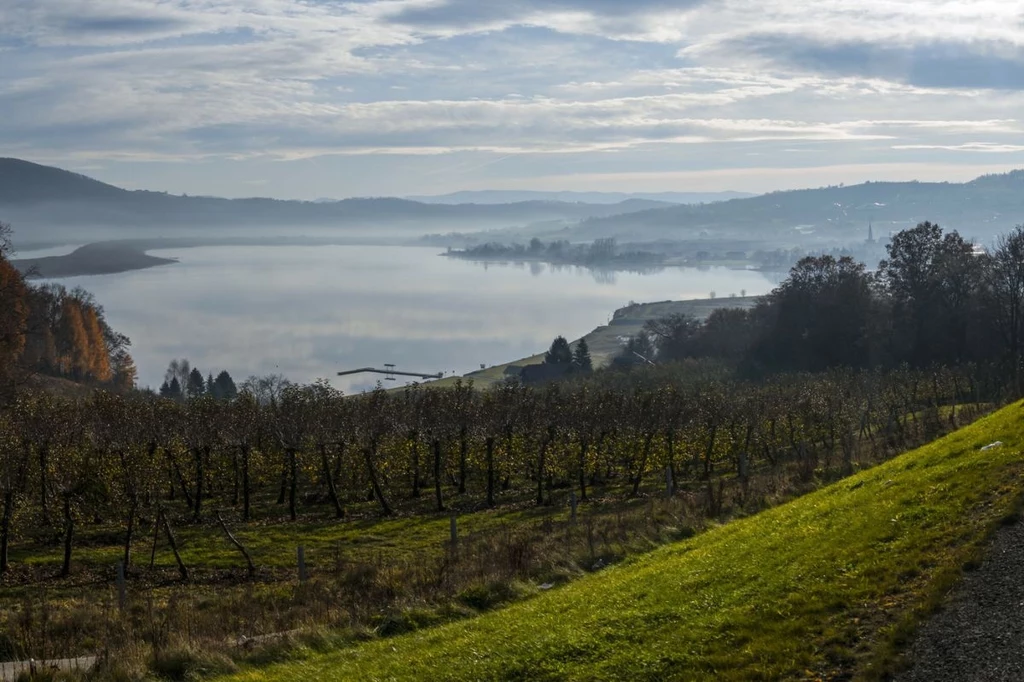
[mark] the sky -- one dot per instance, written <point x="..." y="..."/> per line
<point x="332" y="98"/>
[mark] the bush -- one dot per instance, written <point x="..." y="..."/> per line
<point x="186" y="663"/>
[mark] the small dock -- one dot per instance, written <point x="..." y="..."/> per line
<point x="391" y="373"/>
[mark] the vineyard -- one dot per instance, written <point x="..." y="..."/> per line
<point x="180" y="534"/>
<point x="368" y="483"/>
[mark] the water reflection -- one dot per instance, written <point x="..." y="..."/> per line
<point x="307" y="312"/>
<point x="602" y="275"/>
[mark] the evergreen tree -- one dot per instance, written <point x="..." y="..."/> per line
<point x="559" y="353"/>
<point x="225" y="387"/>
<point x="171" y="390"/>
<point x="581" y="357"/>
<point x="196" y="384"/>
<point x="211" y="388"/>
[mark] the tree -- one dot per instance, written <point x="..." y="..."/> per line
<point x="819" y="317"/>
<point x="196" y="386"/>
<point x="13" y="312"/>
<point x="638" y="349"/>
<point x="581" y="357"/>
<point x="124" y="373"/>
<point x="267" y="389"/>
<point x="40" y="338"/>
<point x="171" y="390"/>
<point x="178" y="370"/>
<point x="673" y="336"/>
<point x="727" y="333"/>
<point x="930" y="280"/>
<point x="14" y="468"/>
<point x="98" y="356"/>
<point x="73" y="341"/>
<point x="224" y="387"/>
<point x="1005" y="288"/>
<point x="559" y="353"/>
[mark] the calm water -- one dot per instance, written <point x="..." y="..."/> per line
<point x="307" y="312"/>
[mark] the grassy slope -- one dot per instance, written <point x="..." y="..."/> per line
<point x="604" y="341"/>
<point x="808" y="590"/>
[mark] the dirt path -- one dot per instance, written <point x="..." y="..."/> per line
<point x="13" y="670"/>
<point x="979" y="635"/>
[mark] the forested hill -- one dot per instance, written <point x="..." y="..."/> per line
<point x="981" y="208"/>
<point x="23" y="182"/>
<point x="34" y="196"/>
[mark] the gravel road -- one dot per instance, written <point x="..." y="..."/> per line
<point x="979" y="635"/>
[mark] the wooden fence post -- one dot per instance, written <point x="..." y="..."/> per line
<point x="121" y="587"/>
<point x="303" y="576"/>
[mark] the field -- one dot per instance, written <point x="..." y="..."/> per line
<point x="828" y="586"/>
<point x="337" y="476"/>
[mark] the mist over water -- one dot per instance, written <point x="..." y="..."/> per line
<point x="307" y="312"/>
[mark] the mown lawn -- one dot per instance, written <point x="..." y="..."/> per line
<point x="820" y="588"/>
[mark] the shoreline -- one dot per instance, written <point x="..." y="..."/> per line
<point x="100" y="258"/>
<point x="126" y="255"/>
<point x="604" y="340"/>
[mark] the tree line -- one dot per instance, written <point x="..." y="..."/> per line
<point x="937" y="299"/>
<point x="52" y="330"/>
<point x="183" y="381"/>
<point x="117" y="459"/>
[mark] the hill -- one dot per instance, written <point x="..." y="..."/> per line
<point x="507" y="196"/>
<point x="825" y="587"/>
<point x="45" y="203"/>
<point x="40" y="201"/>
<point x="23" y="182"/>
<point x="981" y="208"/>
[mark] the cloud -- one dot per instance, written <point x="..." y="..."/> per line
<point x="647" y="84"/>
<point x="122" y="24"/>
<point x="984" y="147"/>
<point x="930" y="65"/>
<point x="472" y="13"/>
<point x="97" y="22"/>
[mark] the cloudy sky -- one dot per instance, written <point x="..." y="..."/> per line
<point x="336" y="98"/>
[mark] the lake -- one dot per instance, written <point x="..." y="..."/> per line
<point x="308" y="312"/>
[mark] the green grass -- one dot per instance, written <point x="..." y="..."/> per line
<point x="827" y="585"/>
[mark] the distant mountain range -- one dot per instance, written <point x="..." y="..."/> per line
<point x="982" y="208"/>
<point x="45" y="203"/>
<point x="511" y="196"/>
